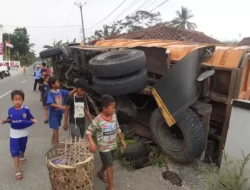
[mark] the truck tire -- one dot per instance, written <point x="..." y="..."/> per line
<point x="136" y="150"/>
<point x="140" y="163"/>
<point x="117" y="63"/>
<point x="122" y="85"/>
<point x="50" y="52"/>
<point x="184" y="141"/>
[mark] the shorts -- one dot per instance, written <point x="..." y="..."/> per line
<point x="18" y="145"/>
<point x="77" y="130"/>
<point x="44" y="102"/>
<point x="107" y="158"/>
<point x="55" y="121"/>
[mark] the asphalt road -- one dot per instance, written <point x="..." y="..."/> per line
<point x="35" y="174"/>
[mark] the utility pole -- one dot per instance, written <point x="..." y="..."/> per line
<point x="79" y="4"/>
<point x="1" y="42"/>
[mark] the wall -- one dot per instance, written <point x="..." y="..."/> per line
<point x="238" y="137"/>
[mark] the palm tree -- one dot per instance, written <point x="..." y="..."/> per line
<point x="55" y="44"/>
<point x="182" y="19"/>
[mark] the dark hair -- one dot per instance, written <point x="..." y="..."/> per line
<point x="82" y="83"/>
<point x="44" y="64"/>
<point x="17" y="92"/>
<point x="52" y="81"/>
<point x="48" y="67"/>
<point x="107" y="100"/>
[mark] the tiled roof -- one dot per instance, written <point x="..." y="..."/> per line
<point x="244" y="42"/>
<point x="165" y="32"/>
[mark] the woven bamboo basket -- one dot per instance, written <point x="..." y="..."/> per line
<point x="70" y="166"/>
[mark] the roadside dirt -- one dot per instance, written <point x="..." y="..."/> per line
<point x="150" y="178"/>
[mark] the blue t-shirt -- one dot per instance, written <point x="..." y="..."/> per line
<point x="38" y="74"/>
<point x="20" y="119"/>
<point x="56" y="98"/>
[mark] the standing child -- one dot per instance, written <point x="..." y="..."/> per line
<point x="20" y="118"/>
<point x="76" y="110"/>
<point x="45" y="88"/>
<point x="105" y="128"/>
<point x="55" y="102"/>
<point x="41" y="80"/>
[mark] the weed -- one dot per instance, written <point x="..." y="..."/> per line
<point x="230" y="177"/>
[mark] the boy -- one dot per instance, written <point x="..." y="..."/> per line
<point x="44" y="95"/>
<point x="41" y="80"/>
<point x="55" y="102"/>
<point x="20" y="118"/>
<point x="76" y="110"/>
<point x="105" y="127"/>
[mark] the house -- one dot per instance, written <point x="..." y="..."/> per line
<point x="166" y="32"/>
<point x="244" y="42"/>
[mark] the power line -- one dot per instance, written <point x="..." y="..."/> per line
<point x="141" y="6"/>
<point x="150" y="4"/>
<point x="80" y="7"/>
<point x="159" y="5"/>
<point x="126" y="9"/>
<point x="107" y="15"/>
<point x="39" y="27"/>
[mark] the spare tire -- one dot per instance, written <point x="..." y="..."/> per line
<point x="136" y="150"/>
<point x="122" y="85"/>
<point x="117" y="63"/>
<point x="184" y="141"/>
<point x="50" y="52"/>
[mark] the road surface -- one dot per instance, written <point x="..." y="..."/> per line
<point x="35" y="175"/>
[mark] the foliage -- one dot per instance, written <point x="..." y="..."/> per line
<point x="140" y="19"/>
<point x="131" y="23"/>
<point x="230" y="177"/>
<point x="54" y="44"/>
<point x="182" y="19"/>
<point x="230" y="42"/>
<point x="22" y="47"/>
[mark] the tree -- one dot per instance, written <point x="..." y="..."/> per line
<point x="114" y="29"/>
<point x="140" y="20"/>
<point x="182" y="19"/>
<point x="131" y="23"/>
<point x="22" y="47"/>
<point x="54" y="44"/>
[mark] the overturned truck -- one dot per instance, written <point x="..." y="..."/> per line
<point x="157" y="97"/>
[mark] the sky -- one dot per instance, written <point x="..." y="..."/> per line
<point x="47" y="20"/>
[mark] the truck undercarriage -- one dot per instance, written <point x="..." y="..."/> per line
<point x="156" y="98"/>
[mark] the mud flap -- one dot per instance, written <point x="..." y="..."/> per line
<point x="178" y="89"/>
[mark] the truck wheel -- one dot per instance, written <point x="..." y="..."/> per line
<point x="117" y="63"/>
<point x="184" y="141"/>
<point x="50" y="52"/>
<point x="122" y="85"/>
<point x="136" y="150"/>
<point x="140" y="163"/>
<point x="1" y="75"/>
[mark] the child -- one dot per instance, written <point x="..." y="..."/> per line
<point x="20" y="118"/>
<point x="76" y="109"/>
<point x="105" y="128"/>
<point x="55" y="102"/>
<point x="41" y="80"/>
<point x="44" y="95"/>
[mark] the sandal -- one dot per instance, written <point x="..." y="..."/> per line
<point x="19" y="176"/>
<point x="103" y="178"/>
<point x="23" y="160"/>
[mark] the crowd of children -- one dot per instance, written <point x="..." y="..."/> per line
<point x="74" y="106"/>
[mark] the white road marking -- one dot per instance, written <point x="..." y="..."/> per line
<point x="5" y="94"/>
<point x="24" y="81"/>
